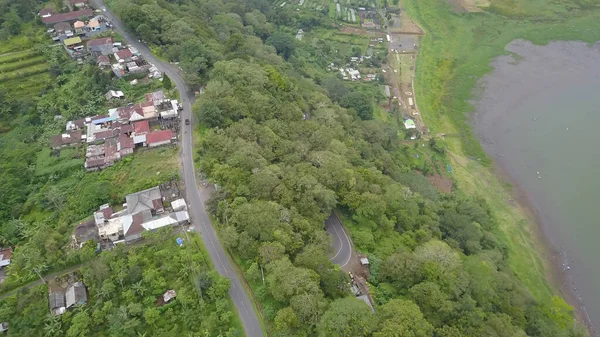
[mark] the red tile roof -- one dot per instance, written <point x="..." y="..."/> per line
<point x="70" y="16"/>
<point x="126" y="128"/>
<point x="47" y="11"/>
<point x="124" y="54"/>
<point x="103" y="59"/>
<point x="6" y="254"/>
<point x="73" y="137"/>
<point x="159" y="136"/>
<point x="141" y="127"/>
<point x="100" y="42"/>
<point x="107" y="212"/>
<point x="126" y="142"/>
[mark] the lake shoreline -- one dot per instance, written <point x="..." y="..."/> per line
<point x="555" y="260"/>
<point x="510" y="123"/>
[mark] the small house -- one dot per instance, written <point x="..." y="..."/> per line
<point x="169" y="295"/>
<point x="5" y="256"/>
<point x="409" y="124"/>
<point x="50" y="18"/>
<point x="141" y="128"/>
<point x="94" y="25"/>
<point x="75" y="295"/>
<point x="73" y="43"/>
<point x="78" y="3"/>
<point x="103" y="61"/>
<point x="112" y="94"/>
<point x="56" y="299"/>
<point x="47" y="12"/>
<point x="63" y="28"/>
<point x="123" y="55"/>
<point x="102" y="46"/>
<point x="3" y="326"/>
<point x="158" y="138"/>
<point x="66" y="139"/>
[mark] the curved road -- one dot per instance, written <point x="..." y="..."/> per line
<point x="196" y="197"/>
<point x="341" y="243"/>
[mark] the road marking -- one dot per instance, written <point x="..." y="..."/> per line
<point x="340" y="240"/>
<point x="349" y="245"/>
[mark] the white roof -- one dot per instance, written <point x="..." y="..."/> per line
<point x="364" y="261"/>
<point x="178" y="204"/>
<point x="168" y="113"/>
<point x="139" y="139"/>
<point x="171" y="219"/>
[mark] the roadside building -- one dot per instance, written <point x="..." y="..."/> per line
<point x="409" y="124"/>
<point x="94" y="25"/>
<point x="102" y="46"/>
<point x="123" y="56"/>
<point x="78" y="3"/>
<point x="73" y="43"/>
<point x="63" y="28"/>
<point x="50" y="18"/>
<point x="158" y="138"/>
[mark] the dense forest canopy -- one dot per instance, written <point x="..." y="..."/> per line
<point x="287" y="145"/>
<point x="286" y="155"/>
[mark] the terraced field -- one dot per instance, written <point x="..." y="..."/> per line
<point x="23" y="72"/>
<point x="342" y="10"/>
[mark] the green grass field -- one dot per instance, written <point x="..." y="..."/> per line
<point x="23" y="68"/>
<point x="454" y="54"/>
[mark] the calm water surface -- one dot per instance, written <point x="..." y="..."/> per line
<point x="540" y="112"/>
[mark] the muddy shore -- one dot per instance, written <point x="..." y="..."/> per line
<point x="524" y="109"/>
<point x="556" y="262"/>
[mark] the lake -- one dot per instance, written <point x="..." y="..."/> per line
<point x="538" y="116"/>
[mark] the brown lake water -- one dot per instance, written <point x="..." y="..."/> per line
<point x="539" y="111"/>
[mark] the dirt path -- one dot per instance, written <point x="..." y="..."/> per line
<point x="46" y="278"/>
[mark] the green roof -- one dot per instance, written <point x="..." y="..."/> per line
<point x="72" y="41"/>
<point x="409" y="124"/>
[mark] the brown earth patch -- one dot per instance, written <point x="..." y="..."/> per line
<point x="444" y="184"/>
<point x="362" y="32"/>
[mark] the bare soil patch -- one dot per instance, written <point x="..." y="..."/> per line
<point x="362" y="32"/>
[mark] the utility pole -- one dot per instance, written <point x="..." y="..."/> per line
<point x="38" y="273"/>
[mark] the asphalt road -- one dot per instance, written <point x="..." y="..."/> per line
<point x="196" y="196"/>
<point x="341" y="243"/>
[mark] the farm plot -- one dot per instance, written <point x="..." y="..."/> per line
<point x="24" y="72"/>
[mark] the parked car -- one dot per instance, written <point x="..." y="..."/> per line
<point x="187" y="121"/>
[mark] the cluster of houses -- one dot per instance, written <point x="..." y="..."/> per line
<point x="72" y="27"/>
<point x="60" y="299"/>
<point x="115" y="135"/>
<point x="146" y="210"/>
<point x="122" y="60"/>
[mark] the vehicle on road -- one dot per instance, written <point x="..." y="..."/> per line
<point x="187" y="121"/>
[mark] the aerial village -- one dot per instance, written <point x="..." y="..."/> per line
<point x="107" y="138"/>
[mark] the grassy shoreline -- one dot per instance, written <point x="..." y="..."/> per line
<point x="455" y="54"/>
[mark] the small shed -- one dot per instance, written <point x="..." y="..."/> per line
<point x="364" y="261"/>
<point x="56" y="300"/>
<point x="409" y="124"/>
<point x="178" y="205"/>
<point x="169" y="295"/>
<point x="76" y="294"/>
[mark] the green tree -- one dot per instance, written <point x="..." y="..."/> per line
<point x="399" y="318"/>
<point x="167" y="84"/>
<point x="360" y="102"/>
<point x="283" y="43"/>
<point x="347" y="317"/>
